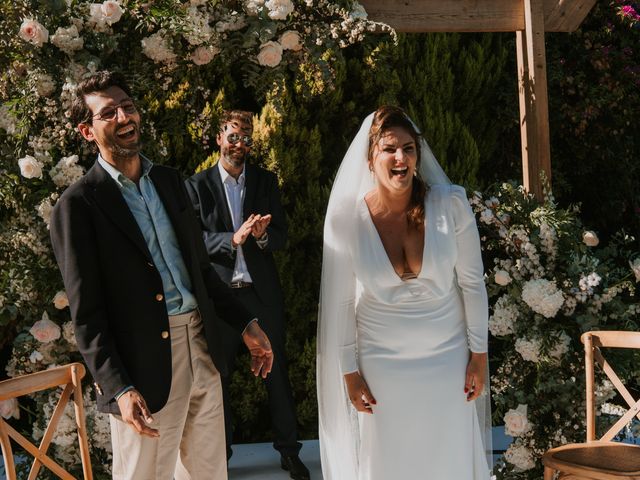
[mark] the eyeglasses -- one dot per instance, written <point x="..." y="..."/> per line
<point x="110" y="113"/>
<point x="236" y="137"/>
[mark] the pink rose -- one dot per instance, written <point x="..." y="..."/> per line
<point x="111" y="11"/>
<point x="32" y="31"/>
<point x="45" y="330"/>
<point x="203" y="55"/>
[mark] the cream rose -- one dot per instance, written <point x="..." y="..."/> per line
<point x="34" y="32"/>
<point x="45" y="330"/>
<point x="520" y="457"/>
<point x="30" y="167"/>
<point x="290" y="40"/>
<point x="60" y="300"/>
<point x="590" y="239"/>
<point x="203" y="55"/>
<point x="9" y="408"/>
<point x="270" y="54"/>
<point x="516" y="422"/>
<point x="502" y="277"/>
<point x="45" y="85"/>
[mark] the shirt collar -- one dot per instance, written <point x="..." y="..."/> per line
<point x="226" y="178"/>
<point x="117" y="174"/>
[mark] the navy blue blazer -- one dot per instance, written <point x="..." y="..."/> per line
<point x="115" y="291"/>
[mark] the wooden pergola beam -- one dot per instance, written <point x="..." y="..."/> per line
<point x="474" y="15"/>
<point x="534" y="105"/>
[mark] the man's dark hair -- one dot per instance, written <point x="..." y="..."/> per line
<point x="98" y="82"/>
<point x="241" y="116"/>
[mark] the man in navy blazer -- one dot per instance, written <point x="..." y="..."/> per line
<point x="145" y="302"/>
<point x="243" y="222"/>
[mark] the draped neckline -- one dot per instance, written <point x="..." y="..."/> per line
<point x="380" y="243"/>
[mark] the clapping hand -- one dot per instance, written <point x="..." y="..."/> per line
<point x="260" y="225"/>
<point x="260" y="348"/>
<point x="359" y="392"/>
<point x="134" y="411"/>
<point x="240" y="236"/>
<point x="476" y="376"/>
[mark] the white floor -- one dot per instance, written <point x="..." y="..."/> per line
<point x="259" y="461"/>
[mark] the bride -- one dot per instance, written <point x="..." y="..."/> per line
<point x="402" y="335"/>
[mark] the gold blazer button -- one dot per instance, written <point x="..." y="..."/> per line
<point x="159" y="297"/>
<point x="164" y="334"/>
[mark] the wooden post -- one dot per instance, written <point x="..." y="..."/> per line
<point x="534" y="107"/>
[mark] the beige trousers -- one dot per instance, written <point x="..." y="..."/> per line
<point x="191" y="445"/>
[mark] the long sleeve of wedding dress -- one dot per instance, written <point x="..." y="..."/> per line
<point x="469" y="271"/>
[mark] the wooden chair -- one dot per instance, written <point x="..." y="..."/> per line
<point x="599" y="459"/>
<point x="70" y="377"/>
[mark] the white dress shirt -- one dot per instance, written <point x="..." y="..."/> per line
<point x="234" y="191"/>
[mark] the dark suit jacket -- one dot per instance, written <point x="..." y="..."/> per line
<point x="261" y="196"/>
<point x="115" y="291"/>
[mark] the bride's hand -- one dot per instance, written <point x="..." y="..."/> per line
<point x="359" y="392"/>
<point x="476" y="375"/>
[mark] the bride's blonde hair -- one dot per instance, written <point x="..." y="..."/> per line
<point x="385" y="118"/>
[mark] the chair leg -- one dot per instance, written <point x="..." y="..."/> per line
<point x="549" y="473"/>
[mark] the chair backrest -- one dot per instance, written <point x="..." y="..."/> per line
<point x="70" y="377"/>
<point x="593" y="341"/>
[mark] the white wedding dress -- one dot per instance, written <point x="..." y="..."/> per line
<point x="410" y="340"/>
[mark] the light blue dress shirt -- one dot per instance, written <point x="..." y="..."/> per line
<point x="157" y="230"/>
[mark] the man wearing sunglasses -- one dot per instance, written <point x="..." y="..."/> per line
<point x="243" y="222"/>
<point x="145" y="302"/>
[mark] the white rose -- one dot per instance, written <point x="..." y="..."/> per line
<point x="67" y="171"/>
<point x="7" y="120"/>
<point x="157" y="48"/>
<point x="111" y="11"/>
<point x="561" y="347"/>
<point x="35" y="357"/>
<point x="505" y="313"/>
<point x="203" y="55"/>
<point x="45" y="330"/>
<point x="590" y="239"/>
<point x="45" y="85"/>
<point x="253" y="7"/>
<point x="30" y="167"/>
<point x="543" y="297"/>
<point x="44" y="210"/>
<point x="9" y="408"/>
<point x="34" y="32"/>
<point x="60" y="300"/>
<point x="270" y="54"/>
<point x="635" y="267"/>
<point x="520" y="456"/>
<point x="516" y="422"/>
<point x="68" y="333"/>
<point x="290" y="40"/>
<point x="67" y="39"/>
<point x="502" y="277"/>
<point x="529" y="350"/>
<point x="279" y="9"/>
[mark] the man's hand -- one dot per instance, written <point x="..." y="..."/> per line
<point x="240" y="236"/>
<point x="260" y="226"/>
<point x="134" y="411"/>
<point x="260" y="348"/>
